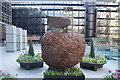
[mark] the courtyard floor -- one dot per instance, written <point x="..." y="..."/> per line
<point x="8" y="64"/>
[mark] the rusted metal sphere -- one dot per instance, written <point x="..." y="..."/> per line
<point x="62" y="50"/>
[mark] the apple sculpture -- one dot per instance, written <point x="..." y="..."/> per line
<point x="61" y="50"/>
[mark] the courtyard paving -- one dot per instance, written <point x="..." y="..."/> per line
<point x="8" y="64"/>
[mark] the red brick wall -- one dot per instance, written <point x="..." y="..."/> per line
<point x="2" y="32"/>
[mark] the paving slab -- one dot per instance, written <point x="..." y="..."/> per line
<point x="8" y="64"/>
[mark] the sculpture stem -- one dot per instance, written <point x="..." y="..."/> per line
<point x="65" y="30"/>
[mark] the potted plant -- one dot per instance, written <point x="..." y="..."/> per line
<point x="62" y="51"/>
<point x="70" y="74"/>
<point x="91" y="61"/>
<point x="30" y="60"/>
<point x="7" y="76"/>
<point x="112" y="75"/>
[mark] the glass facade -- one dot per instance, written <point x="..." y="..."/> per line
<point x="29" y="19"/>
<point x="74" y="11"/>
<point x="105" y="22"/>
<point x="5" y="11"/>
<point x="5" y="18"/>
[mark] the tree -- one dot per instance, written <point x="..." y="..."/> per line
<point x="31" y="50"/>
<point x="92" y="53"/>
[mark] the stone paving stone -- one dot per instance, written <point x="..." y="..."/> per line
<point x="9" y="64"/>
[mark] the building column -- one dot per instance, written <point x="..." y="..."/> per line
<point x="90" y="29"/>
<point x="24" y="39"/>
<point x="19" y="39"/>
<point x="0" y="34"/>
<point x="11" y="38"/>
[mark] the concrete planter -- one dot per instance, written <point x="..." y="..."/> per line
<point x="63" y="77"/>
<point x="29" y="65"/>
<point x="91" y="66"/>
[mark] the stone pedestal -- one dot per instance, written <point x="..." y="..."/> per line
<point x="19" y="39"/>
<point x="24" y="39"/>
<point x="11" y="38"/>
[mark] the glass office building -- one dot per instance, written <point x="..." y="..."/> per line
<point x="104" y="17"/>
<point x="5" y="18"/>
<point x="30" y="19"/>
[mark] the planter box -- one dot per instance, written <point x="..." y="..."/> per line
<point x="63" y="77"/>
<point x="91" y="66"/>
<point x="29" y="65"/>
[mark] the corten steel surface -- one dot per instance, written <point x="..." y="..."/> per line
<point x="58" y="22"/>
<point x="62" y="50"/>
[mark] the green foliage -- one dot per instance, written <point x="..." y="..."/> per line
<point x="31" y="50"/>
<point x="76" y="72"/>
<point x="92" y="53"/>
<point x="112" y="76"/>
<point x="7" y="76"/>
<point x="73" y="72"/>
<point x="28" y="58"/>
<point x="96" y="59"/>
<point x="52" y="72"/>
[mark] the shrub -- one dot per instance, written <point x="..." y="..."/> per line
<point x="96" y="59"/>
<point x="7" y="76"/>
<point x="27" y="58"/>
<point x="92" y="53"/>
<point x="113" y="75"/>
<point x="31" y="50"/>
<point x="74" y="71"/>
